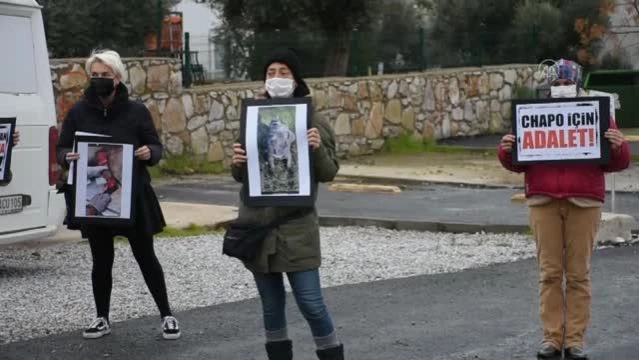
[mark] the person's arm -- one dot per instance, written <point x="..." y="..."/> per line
<point x="619" y="157"/>
<point x="325" y="157"/>
<point x="238" y="171"/>
<point x="149" y="136"/>
<point x="506" y="160"/>
<point x="67" y="136"/>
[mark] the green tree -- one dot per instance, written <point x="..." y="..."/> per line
<point x="68" y="38"/>
<point x="337" y="19"/>
<point x="321" y="30"/>
<point x="249" y="29"/>
<point x="586" y="22"/>
<point x="470" y="32"/>
<point x="75" y="27"/>
<point x="537" y="33"/>
<point x="399" y="33"/>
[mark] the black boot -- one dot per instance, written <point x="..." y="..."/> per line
<point x="279" y="350"/>
<point x="333" y="353"/>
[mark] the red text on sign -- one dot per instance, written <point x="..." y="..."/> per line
<point x="558" y="139"/>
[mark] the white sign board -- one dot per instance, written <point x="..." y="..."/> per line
<point x="561" y="129"/>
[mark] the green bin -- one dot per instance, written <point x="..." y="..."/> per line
<point x="625" y="83"/>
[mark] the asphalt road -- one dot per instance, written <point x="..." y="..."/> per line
<point x="433" y="203"/>
<point x="489" y="313"/>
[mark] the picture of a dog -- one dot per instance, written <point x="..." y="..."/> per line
<point x="280" y="140"/>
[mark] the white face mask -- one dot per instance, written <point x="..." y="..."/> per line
<point x="280" y="87"/>
<point x="565" y="91"/>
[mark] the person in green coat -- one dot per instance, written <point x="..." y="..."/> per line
<point x="293" y="247"/>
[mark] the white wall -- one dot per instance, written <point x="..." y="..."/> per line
<point x="198" y="20"/>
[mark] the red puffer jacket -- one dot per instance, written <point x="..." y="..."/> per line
<point x="560" y="180"/>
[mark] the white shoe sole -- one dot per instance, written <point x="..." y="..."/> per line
<point x="171" y="336"/>
<point x="96" y="335"/>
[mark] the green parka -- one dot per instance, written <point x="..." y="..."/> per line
<point x="295" y="245"/>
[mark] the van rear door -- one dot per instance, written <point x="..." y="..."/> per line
<point x="24" y="200"/>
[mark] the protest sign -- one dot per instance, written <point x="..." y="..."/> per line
<point x="561" y="129"/>
<point x="7" y="126"/>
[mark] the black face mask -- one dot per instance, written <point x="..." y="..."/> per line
<point x="103" y="87"/>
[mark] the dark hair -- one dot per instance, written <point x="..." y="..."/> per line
<point x="288" y="57"/>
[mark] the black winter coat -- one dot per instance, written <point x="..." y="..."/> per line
<point x="127" y="121"/>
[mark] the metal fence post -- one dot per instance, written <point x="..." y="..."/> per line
<point x="353" y="59"/>
<point x="186" y="66"/>
<point x="158" y="49"/>
<point x="422" y="48"/>
<point x="613" y="192"/>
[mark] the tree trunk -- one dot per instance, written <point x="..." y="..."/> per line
<point x="338" y="54"/>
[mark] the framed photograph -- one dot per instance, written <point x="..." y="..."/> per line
<point x="75" y="149"/>
<point x="279" y="169"/>
<point x="561" y="130"/>
<point x="7" y="127"/>
<point x="104" y="178"/>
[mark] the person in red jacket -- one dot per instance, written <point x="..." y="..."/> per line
<point x="565" y="202"/>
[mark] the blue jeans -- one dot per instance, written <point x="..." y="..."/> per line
<point x="308" y="295"/>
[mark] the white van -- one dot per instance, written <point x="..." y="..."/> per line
<point x="30" y="207"/>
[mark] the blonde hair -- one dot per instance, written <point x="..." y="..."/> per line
<point x="109" y="58"/>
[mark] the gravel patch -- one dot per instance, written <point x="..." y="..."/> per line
<point x="49" y="291"/>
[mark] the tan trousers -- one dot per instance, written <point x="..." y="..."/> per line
<point x="557" y="226"/>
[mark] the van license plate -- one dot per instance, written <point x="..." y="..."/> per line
<point x="10" y="204"/>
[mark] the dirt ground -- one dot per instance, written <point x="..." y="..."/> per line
<point x="467" y="168"/>
<point x="437" y="167"/>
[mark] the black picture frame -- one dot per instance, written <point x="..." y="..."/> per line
<point x="6" y="148"/>
<point x="127" y="151"/>
<point x="604" y="124"/>
<point x="250" y="117"/>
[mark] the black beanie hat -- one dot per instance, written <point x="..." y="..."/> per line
<point x="288" y="57"/>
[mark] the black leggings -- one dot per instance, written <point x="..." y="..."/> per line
<point x="101" y="243"/>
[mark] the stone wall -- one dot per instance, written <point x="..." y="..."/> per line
<point x="364" y="112"/>
<point x="146" y="78"/>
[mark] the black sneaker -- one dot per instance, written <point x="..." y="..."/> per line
<point x="98" y="328"/>
<point x="170" y="328"/>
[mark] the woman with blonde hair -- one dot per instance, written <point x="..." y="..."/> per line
<point x="107" y="109"/>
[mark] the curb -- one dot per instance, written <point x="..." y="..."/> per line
<point x="379" y="180"/>
<point x="412" y="225"/>
<point x="363" y="188"/>
<point x="404" y="225"/>
<point x="403" y="182"/>
<point x="473" y="149"/>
